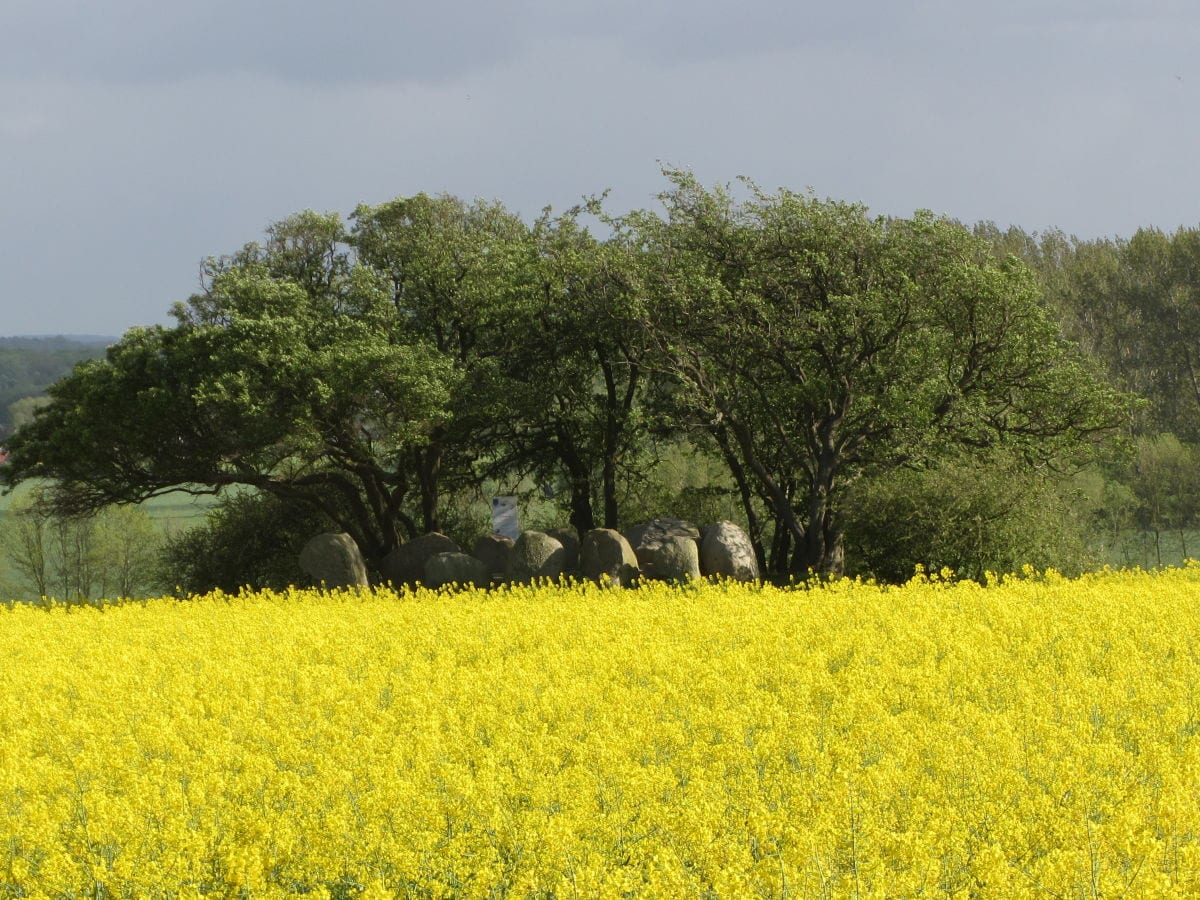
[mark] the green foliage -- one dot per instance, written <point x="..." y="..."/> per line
<point x="291" y="374"/>
<point x="247" y="540"/>
<point x="1166" y="483"/>
<point x="21" y="412"/>
<point x="682" y="481"/>
<point x="109" y="554"/>
<point x="969" y="514"/>
<point x="456" y="279"/>
<point x="777" y="350"/>
<point x="822" y="345"/>
<point x="1134" y="305"/>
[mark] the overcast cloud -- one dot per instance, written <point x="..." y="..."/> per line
<point x="138" y="136"/>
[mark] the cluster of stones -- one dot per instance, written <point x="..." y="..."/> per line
<point x="663" y="550"/>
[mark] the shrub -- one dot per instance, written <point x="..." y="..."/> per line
<point x="247" y="540"/>
<point x="973" y="516"/>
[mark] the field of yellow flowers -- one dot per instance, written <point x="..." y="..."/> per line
<point x="1036" y="737"/>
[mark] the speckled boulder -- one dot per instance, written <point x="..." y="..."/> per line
<point x="726" y="552"/>
<point x="334" y="561"/>
<point x="670" y="558"/>
<point x="493" y="550"/>
<point x="662" y="551"/>
<point x="570" y="541"/>
<point x="536" y="555"/>
<point x="406" y="564"/>
<point x="658" y="529"/>
<point x="455" y="568"/>
<point x="606" y="557"/>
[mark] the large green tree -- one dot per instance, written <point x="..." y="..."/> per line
<point x="291" y="373"/>
<point x="456" y="277"/>
<point x="579" y="414"/>
<point x="819" y="344"/>
<point x="367" y="373"/>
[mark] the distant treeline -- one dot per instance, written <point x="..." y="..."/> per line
<point x="1133" y="305"/>
<point x="28" y="365"/>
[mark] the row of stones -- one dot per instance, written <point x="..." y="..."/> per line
<point x="665" y="549"/>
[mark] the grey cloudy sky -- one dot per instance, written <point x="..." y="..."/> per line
<point x="138" y="136"/>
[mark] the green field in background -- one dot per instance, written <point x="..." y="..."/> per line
<point x="173" y="510"/>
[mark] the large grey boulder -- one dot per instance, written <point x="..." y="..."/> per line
<point x="536" y="555"/>
<point x="493" y="550"/>
<point x="670" y="558"/>
<point x="634" y="534"/>
<point x="667" y="550"/>
<point x="658" y="529"/>
<point x="406" y="564"/>
<point x="334" y="561"/>
<point x="606" y="557"/>
<point x="569" y="538"/>
<point x="456" y="568"/>
<point x="726" y="551"/>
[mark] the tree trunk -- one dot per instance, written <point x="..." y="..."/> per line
<point x="610" y="492"/>
<point x="429" y="467"/>
<point x="616" y="414"/>
<point x="822" y="550"/>
<point x="753" y="525"/>
<point x="579" y="478"/>
<point x="781" y="545"/>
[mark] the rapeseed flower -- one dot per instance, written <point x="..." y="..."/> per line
<point x="1031" y="736"/>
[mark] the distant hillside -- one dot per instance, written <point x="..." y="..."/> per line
<point x="42" y="342"/>
<point x="30" y="364"/>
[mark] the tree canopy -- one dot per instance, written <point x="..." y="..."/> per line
<point x="365" y="371"/>
<point x="820" y="344"/>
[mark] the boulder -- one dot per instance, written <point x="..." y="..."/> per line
<point x="662" y="549"/>
<point x="334" y="561"/>
<point x="536" y="555"/>
<point x="455" y="568"/>
<point x="605" y="555"/>
<point x="569" y="538"/>
<point x="657" y="529"/>
<point x="493" y="550"/>
<point x="634" y="534"/>
<point x="726" y="551"/>
<point x="406" y="564"/>
<point x="670" y="558"/>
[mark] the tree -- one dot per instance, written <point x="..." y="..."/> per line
<point x="28" y="365"/>
<point x="1134" y="304"/>
<point x="453" y="276"/>
<point x="248" y="539"/>
<point x="1166" y="485"/>
<point x="364" y="375"/>
<point x="291" y="373"/>
<point x="533" y="321"/>
<point x="578" y="393"/>
<point x="111" y="553"/>
<point x="20" y="412"/>
<point x="820" y="344"/>
<point x="974" y="514"/>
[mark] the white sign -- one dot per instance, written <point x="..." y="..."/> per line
<point x="504" y="517"/>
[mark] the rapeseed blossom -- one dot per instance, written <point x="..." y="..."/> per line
<point x="1033" y="737"/>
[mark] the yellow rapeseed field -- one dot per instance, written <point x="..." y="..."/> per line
<point x="1037" y="737"/>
